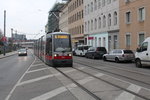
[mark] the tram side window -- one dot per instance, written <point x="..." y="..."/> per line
<point x="49" y="46"/>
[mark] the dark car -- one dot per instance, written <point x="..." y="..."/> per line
<point x="96" y="52"/>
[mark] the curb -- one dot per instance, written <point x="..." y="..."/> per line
<point x="8" y="55"/>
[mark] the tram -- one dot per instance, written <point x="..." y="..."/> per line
<point x="55" y="49"/>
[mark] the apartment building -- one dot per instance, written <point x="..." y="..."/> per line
<point x="75" y="21"/>
<point x="63" y="19"/>
<point x="134" y="22"/>
<point x="101" y="21"/>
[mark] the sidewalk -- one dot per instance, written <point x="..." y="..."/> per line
<point x="8" y="54"/>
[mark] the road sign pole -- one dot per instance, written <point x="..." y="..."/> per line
<point x="4" y="30"/>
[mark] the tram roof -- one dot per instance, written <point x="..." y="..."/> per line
<point x="59" y="33"/>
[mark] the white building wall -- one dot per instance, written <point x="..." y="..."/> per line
<point x="100" y="13"/>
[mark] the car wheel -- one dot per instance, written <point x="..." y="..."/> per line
<point x="81" y="54"/>
<point x="138" y="63"/>
<point x="86" y="56"/>
<point x="116" y="60"/>
<point x="93" y="57"/>
<point x="104" y="58"/>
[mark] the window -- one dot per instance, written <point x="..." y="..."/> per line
<point x="109" y="20"/>
<point x="85" y="10"/>
<point x="91" y="6"/>
<point x="141" y="38"/>
<point x="95" y="4"/>
<point x="82" y="14"/>
<point x="115" y="18"/>
<point x="141" y="14"/>
<point x="128" y="17"/>
<point x="85" y="26"/>
<point x="103" y="3"/>
<point x="88" y="26"/>
<point x="82" y="29"/>
<point x="99" y="42"/>
<point x="104" y="41"/>
<point x="109" y="43"/>
<point x="91" y="24"/>
<point x="144" y="46"/>
<point x="88" y="8"/>
<point x="104" y="21"/>
<point x="115" y="41"/>
<point x="99" y="23"/>
<point x="95" y="24"/>
<point x="99" y="4"/>
<point x="128" y="39"/>
<point x="108" y="1"/>
<point x="95" y="41"/>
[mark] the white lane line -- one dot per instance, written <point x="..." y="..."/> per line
<point x="99" y="74"/>
<point x="60" y="90"/>
<point x="51" y="94"/>
<point x="43" y="77"/>
<point x="35" y="80"/>
<point x="13" y="89"/>
<point x="38" y="70"/>
<point x="37" y="65"/>
<point x="129" y="96"/>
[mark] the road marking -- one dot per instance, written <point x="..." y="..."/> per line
<point x="13" y="89"/>
<point x="43" y="77"/>
<point x="50" y="94"/>
<point x="129" y="96"/>
<point x="60" y="90"/>
<point x="38" y="70"/>
<point x="37" y="65"/>
<point x="99" y="74"/>
<point x="35" y="80"/>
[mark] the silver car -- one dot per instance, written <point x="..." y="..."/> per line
<point x="118" y="55"/>
<point x="22" y="52"/>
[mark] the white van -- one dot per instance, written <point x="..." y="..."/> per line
<point x="142" y="55"/>
<point x="81" y="50"/>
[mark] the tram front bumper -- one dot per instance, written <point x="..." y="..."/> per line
<point x="62" y="62"/>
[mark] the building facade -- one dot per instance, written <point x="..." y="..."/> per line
<point x="75" y="21"/>
<point x="63" y="19"/>
<point x="134" y="22"/>
<point x="101" y="23"/>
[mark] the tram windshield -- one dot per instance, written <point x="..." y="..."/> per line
<point x="62" y="43"/>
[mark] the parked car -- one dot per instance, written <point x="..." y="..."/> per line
<point x="81" y="50"/>
<point x="73" y="51"/>
<point x="95" y="52"/>
<point x="118" y="55"/>
<point x="22" y="52"/>
<point x="142" y="55"/>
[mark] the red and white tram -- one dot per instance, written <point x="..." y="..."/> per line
<point x="55" y="49"/>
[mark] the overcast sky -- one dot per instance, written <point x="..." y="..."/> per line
<point x="25" y="16"/>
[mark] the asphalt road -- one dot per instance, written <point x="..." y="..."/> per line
<point x="11" y="69"/>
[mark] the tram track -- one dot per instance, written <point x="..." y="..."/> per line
<point x="88" y="64"/>
<point x="79" y="85"/>
<point x="107" y="82"/>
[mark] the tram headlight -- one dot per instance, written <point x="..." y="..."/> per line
<point x="55" y="55"/>
<point x="70" y="54"/>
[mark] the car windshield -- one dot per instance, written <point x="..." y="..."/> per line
<point x="128" y="52"/>
<point x="62" y="43"/>
<point x="101" y="49"/>
<point x="22" y="50"/>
